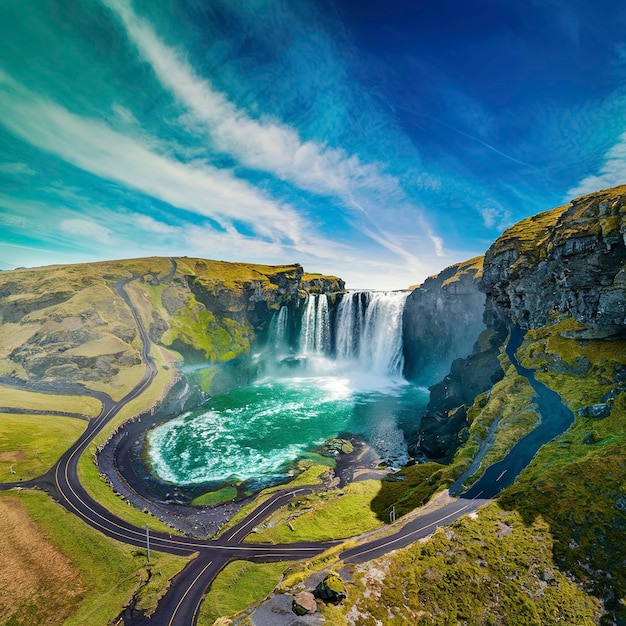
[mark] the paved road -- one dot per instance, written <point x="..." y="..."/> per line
<point x="411" y="532"/>
<point x="180" y="604"/>
<point x="555" y="419"/>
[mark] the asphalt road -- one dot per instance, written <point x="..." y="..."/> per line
<point x="179" y="606"/>
<point x="555" y="419"/>
<point x="411" y="532"/>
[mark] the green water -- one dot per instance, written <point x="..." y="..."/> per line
<point x="258" y="433"/>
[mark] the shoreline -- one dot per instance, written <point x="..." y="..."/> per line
<point x="119" y="460"/>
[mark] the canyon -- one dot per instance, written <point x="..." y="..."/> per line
<point x="559" y="278"/>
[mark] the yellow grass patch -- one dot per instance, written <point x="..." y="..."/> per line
<point x="38" y="583"/>
<point x="31" y="400"/>
<point x="14" y="335"/>
<point x="105" y="345"/>
<point x="118" y="386"/>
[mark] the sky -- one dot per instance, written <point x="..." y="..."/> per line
<point x="379" y="141"/>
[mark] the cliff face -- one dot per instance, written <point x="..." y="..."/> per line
<point x="65" y="325"/>
<point x="442" y="319"/>
<point x="570" y="261"/>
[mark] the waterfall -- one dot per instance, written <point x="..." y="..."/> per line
<point x="315" y="331"/>
<point x="279" y="330"/>
<point x="368" y="328"/>
<point x="381" y="337"/>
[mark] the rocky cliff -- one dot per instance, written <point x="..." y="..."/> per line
<point x="442" y="319"/>
<point x="559" y="276"/>
<point x="68" y="325"/>
<point x="568" y="261"/>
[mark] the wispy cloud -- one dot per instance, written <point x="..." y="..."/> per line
<point x="612" y="172"/>
<point x="91" y="231"/>
<point x="260" y="144"/>
<point x="16" y="169"/>
<point x="266" y="144"/>
<point x="93" y="146"/>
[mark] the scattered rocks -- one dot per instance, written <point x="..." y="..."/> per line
<point x="596" y="411"/>
<point x="335" y="446"/>
<point x="277" y="611"/>
<point x="304" y="603"/>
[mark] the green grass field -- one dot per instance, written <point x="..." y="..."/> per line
<point x="31" y="444"/>
<point x="22" y="399"/>
<point x="237" y="586"/>
<point x="334" y="514"/>
<point x="67" y="573"/>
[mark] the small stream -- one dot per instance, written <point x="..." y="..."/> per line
<point x="556" y="418"/>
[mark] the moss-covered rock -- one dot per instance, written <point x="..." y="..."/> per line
<point x="569" y="260"/>
<point x="331" y="589"/>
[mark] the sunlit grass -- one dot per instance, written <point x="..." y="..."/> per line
<point x="31" y="444"/>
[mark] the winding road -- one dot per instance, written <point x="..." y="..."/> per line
<point x="179" y="606"/>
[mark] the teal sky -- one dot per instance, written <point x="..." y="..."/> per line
<point x="379" y="141"/>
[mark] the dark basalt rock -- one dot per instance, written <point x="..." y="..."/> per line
<point x="443" y="426"/>
<point x="441" y="321"/>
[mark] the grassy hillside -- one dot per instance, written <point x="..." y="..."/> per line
<point x="56" y="570"/>
<point x="31" y="444"/>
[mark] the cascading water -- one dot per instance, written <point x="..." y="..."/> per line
<point x="279" y="330"/>
<point x="369" y="329"/>
<point x="346" y="377"/>
<point x="315" y="331"/>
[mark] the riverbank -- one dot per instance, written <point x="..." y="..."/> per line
<point x="120" y="461"/>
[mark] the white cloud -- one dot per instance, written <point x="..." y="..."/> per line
<point x="150" y="225"/>
<point x="16" y="169"/>
<point x="612" y="172"/>
<point x="88" y="229"/>
<point x="489" y="215"/>
<point x="93" y="146"/>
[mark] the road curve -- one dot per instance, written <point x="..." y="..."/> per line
<point x="179" y="606"/>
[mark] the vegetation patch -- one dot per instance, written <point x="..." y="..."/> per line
<point x="54" y="569"/>
<point x="578" y="486"/>
<point x="211" y="498"/>
<point x="489" y="568"/>
<point x="31" y="444"/>
<point x="322" y="516"/>
<point x="218" y="340"/>
<point x="473" y="266"/>
<point x="237" y="586"/>
<point x="577" y="482"/>
<point x="312" y="475"/>
<point x="406" y="490"/>
<point x="529" y="236"/>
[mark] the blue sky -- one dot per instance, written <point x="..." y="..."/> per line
<point x="379" y="141"/>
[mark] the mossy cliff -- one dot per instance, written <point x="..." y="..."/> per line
<point x="67" y="325"/>
<point x="570" y="260"/>
<point x="559" y="276"/>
